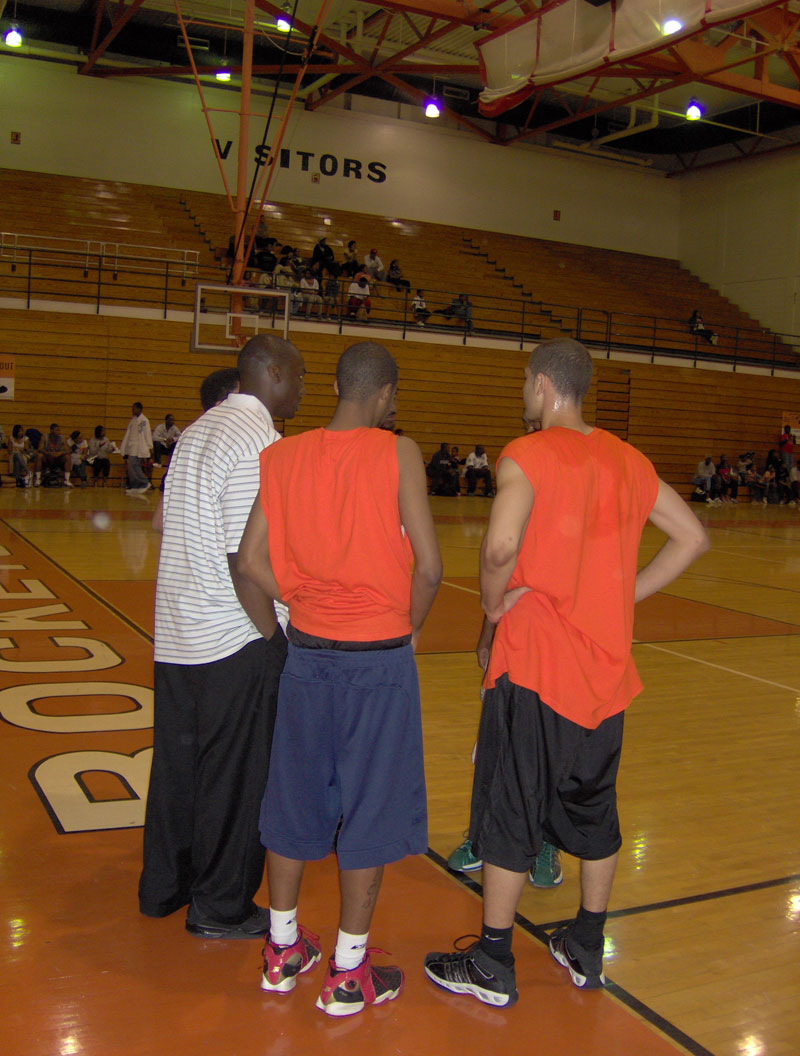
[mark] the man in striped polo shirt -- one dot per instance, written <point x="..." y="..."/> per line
<point x="219" y="653"/>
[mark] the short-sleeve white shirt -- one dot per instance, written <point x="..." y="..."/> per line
<point x="210" y="488"/>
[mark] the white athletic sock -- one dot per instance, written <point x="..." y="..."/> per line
<point x="283" y="926"/>
<point x="350" y="950"/>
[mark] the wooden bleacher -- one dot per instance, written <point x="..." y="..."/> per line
<point x="498" y="271"/>
<point x="85" y="370"/>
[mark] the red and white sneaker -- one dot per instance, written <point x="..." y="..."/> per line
<point x="283" y="964"/>
<point x="344" y="993"/>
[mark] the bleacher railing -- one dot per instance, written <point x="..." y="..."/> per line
<point x="164" y="281"/>
<point x="18" y="248"/>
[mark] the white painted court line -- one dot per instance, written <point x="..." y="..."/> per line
<point x="457" y="586"/>
<point x="719" y="667"/>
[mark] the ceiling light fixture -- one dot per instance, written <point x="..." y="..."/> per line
<point x="694" y="111"/>
<point x="13" y="37"/>
<point x="672" y="25"/>
<point x="432" y="108"/>
<point x="223" y="75"/>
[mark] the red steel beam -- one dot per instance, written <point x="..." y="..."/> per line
<point x="316" y="69"/>
<point x="117" y="26"/>
<point x="98" y="18"/>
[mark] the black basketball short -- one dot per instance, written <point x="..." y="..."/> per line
<point x="539" y="776"/>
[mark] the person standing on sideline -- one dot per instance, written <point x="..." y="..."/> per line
<point x="136" y="445"/>
<point x="786" y="446"/>
<point x="219" y="653"/>
<point x="346" y="765"/>
<point x="558" y="578"/>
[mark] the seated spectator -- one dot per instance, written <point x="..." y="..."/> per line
<point x="330" y="292"/>
<point x="266" y="258"/>
<point x="420" y="309"/>
<point x="358" y="298"/>
<point x="54" y="456"/>
<point x="98" y="455"/>
<point x="769" y="484"/>
<point x="745" y="462"/>
<point x="284" y="280"/>
<point x="783" y="485"/>
<point x="165" y="437"/>
<point x="698" y="327"/>
<point x="77" y="455"/>
<point x="442" y="474"/>
<point x="794" y="485"/>
<point x="21" y="456"/>
<point x="460" y="308"/>
<point x="755" y="485"/>
<point x="773" y="459"/>
<point x="350" y="263"/>
<point x="704" y="475"/>
<point x="309" y="292"/>
<point x="35" y="437"/>
<point x="373" y="267"/>
<point x="729" y="481"/>
<point x="477" y="465"/>
<point x="322" y="254"/>
<point x="395" y="276"/>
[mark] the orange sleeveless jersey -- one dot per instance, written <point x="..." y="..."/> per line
<point x="569" y="639"/>
<point x="336" y="543"/>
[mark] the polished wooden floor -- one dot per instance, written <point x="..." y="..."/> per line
<point x="702" y="946"/>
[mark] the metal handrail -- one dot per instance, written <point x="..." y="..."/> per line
<point x="14" y="245"/>
<point x="120" y="277"/>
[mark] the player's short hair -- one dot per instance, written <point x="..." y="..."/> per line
<point x="566" y="363"/>
<point x="217" y="386"/>
<point x="363" y="369"/>
<point x="137" y="404"/>
<point x="262" y="351"/>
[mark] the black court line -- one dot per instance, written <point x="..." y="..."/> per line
<point x="540" y="932"/>
<point x="79" y="582"/>
<point x="688" y="900"/>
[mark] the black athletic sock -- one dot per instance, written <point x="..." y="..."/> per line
<point x="496" y="943"/>
<point x="587" y="929"/>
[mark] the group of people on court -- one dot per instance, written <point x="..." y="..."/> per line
<point x="294" y="579"/>
<point x="777" y="480"/>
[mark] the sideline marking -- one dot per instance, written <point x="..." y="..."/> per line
<point x="614" y="990"/>
<point x="457" y="586"/>
<point x="720" y="667"/>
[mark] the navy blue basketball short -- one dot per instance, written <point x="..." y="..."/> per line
<point x="539" y="776"/>
<point x="347" y="748"/>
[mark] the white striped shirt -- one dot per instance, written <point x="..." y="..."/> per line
<point x="212" y="482"/>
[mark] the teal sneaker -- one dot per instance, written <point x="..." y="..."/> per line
<point x="462" y="860"/>
<point x="546" y="870"/>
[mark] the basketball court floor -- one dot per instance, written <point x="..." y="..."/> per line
<point x="703" y="939"/>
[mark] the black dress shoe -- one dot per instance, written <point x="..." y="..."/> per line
<point x="255" y="927"/>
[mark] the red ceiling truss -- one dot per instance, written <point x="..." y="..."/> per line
<point x="736" y="57"/>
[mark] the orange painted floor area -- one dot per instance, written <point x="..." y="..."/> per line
<point x="88" y="975"/>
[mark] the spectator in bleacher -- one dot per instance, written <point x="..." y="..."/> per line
<point x="786" y="446"/>
<point x="794" y="484"/>
<point x="756" y="487"/>
<point x="309" y="291"/>
<point x="21" y="457"/>
<point x="442" y="474"/>
<point x="55" y="455"/>
<point x="420" y="309"/>
<point x="460" y="308"/>
<point x="358" y="298"/>
<point x="698" y="327"/>
<point x="261" y="228"/>
<point x="78" y="448"/>
<point x="745" y="462"/>
<point x="284" y="280"/>
<point x="373" y="266"/>
<point x="266" y="258"/>
<point x="98" y="455"/>
<point x="323" y="254"/>
<point x="773" y="459"/>
<point x="729" y="481"/>
<point x="395" y="276"/>
<point x="330" y="292"/>
<point x="165" y="437"/>
<point x="704" y="475"/>
<point x="350" y="262"/>
<point x="136" y="446"/>
<point x="35" y="437"/>
<point x="478" y="469"/>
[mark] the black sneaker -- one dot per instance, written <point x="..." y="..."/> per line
<point x="254" y="927"/>
<point x="473" y="972"/>
<point x="585" y="966"/>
